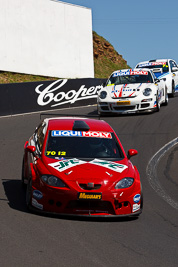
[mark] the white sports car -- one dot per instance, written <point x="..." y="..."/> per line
<point x="165" y="69"/>
<point x="131" y="91"/>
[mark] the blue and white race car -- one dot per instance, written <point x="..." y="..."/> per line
<point x="165" y="69"/>
<point x="131" y="91"/>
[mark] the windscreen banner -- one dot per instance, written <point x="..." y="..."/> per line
<point x="19" y="98"/>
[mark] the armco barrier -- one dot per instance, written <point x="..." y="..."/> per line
<point x="29" y="97"/>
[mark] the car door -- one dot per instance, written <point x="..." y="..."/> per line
<point x="36" y="140"/>
<point x="174" y="71"/>
<point x="160" y="87"/>
<point x="162" y="91"/>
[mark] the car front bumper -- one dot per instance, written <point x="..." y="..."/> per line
<point x="66" y="202"/>
<point x="134" y="106"/>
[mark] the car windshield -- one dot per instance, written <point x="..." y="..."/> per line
<point x="80" y="144"/>
<point x="155" y="66"/>
<point x="128" y="79"/>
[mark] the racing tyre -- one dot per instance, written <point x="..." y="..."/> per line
<point x="157" y="105"/>
<point x="173" y="90"/>
<point x="103" y="114"/>
<point x="141" y="204"/>
<point x="29" y="193"/>
<point x="23" y="175"/>
<point x="99" y="112"/>
<point x="166" y="99"/>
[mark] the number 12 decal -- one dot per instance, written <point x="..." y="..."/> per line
<point x="54" y="153"/>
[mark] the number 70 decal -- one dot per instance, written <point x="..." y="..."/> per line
<point x="54" y="153"/>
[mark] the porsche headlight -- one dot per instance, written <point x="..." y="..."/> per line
<point x="147" y="92"/>
<point x="103" y="94"/>
<point x="52" y="181"/>
<point x="124" y="183"/>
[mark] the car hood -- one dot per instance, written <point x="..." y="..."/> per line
<point x="161" y="75"/>
<point x="95" y="171"/>
<point x="126" y="90"/>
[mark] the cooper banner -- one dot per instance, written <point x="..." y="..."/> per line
<point x="48" y="95"/>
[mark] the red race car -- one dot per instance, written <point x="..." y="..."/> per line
<point x="77" y="166"/>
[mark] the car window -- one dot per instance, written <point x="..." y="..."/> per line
<point x="78" y="144"/>
<point x="155" y="66"/>
<point x="175" y="64"/>
<point x="172" y="65"/>
<point x="154" y="76"/>
<point x="129" y="79"/>
<point x="39" y="137"/>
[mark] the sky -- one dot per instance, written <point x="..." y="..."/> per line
<point x="139" y="30"/>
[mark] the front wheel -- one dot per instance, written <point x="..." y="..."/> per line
<point x="157" y="105"/>
<point x="23" y="174"/>
<point x="102" y="114"/>
<point x="29" y="193"/>
<point x="173" y="90"/>
<point x="166" y="98"/>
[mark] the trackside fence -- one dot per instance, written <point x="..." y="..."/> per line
<point x="19" y="98"/>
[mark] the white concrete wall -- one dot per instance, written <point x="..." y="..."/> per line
<point x="46" y="37"/>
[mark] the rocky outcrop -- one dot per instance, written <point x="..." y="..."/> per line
<point x="106" y="58"/>
<point x="102" y="48"/>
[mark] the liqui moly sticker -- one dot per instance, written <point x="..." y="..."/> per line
<point x="110" y="165"/>
<point x="152" y="64"/>
<point x="138" y="72"/>
<point x="121" y="73"/>
<point x="130" y="72"/>
<point x="57" y="133"/>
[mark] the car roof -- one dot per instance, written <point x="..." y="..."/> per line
<point x="67" y="123"/>
<point x="153" y="60"/>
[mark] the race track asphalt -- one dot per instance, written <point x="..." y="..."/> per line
<point x="28" y="239"/>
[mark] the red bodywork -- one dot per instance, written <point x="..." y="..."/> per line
<point x="93" y="183"/>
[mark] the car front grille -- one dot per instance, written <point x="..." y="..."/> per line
<point x="104" y="107"/>
<point x="122" y="108"/>
<point x="86" y="186"/>
<point x="102" y="206"/>
<point x="146" y="105"/>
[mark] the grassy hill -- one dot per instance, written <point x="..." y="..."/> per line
<point x="106" y="60"/>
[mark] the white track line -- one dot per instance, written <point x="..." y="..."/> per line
<point x="44" y="111"/>
<point x="151" y="172"/>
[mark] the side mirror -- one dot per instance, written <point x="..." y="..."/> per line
<point x="174" y="69"/>
<point x="104" y="84"/>
<point x="31" y="149"/>
<point x="26" y="144"/>
<point x="157" y="80"/>
<point x="131" y="153"/>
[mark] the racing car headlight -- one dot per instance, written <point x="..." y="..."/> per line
<point x="147" y="92"/>
<point x="103" y="94"/>
<point x="52" y="181"/>
<point x="124" y="183"/>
